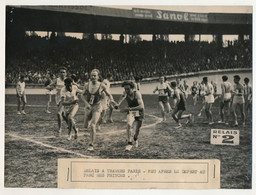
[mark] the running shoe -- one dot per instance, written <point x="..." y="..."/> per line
<point x="69" y="137"/>
<point x="136" y="144"/>
<point x="110" y="120"/>
<point x="236" y="124"/>
<point x="47" y="111"/>
<point x="211" y="123"/>
<point x="179" y="126"/>
<point x="199" y="114"/>
<point x="90" y="148"/>
<point x="128" y="147"/>
<point x="18" y="113"/>
<point x="23" y="112"/>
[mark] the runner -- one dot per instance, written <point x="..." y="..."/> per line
<point x="247" y="97"/>
<point x="194" y="92"/>
<point x="185" y="87"/>
<point x="135" y="112"/>
<point x="180" y="107"/>
<point x="225" y="100"/>
<point x="137" y="82"/>
<point x="163" y="100"/>
<point x="238" y="99"/>
<point x="209" y="99"/>
<point x="49" y="93"/>
<point x="59" y="84"/>
<point x="201" y="97"/>
<point x="106" y="102"/>
<point x="93" y="92"/>
<point x="69" y="100"/>
<point x="21" y="96"/>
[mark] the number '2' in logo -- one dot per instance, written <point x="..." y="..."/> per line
<point x="228" y="139"/>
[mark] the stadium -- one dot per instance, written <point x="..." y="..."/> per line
<point x="31" y="145"/>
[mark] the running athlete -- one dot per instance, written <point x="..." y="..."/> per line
<point x="226" y="88"/>
<point x="49" y="93"/>
<point x="194" y="92"/>
<point x="93" y="92"/>
<point x="137" y="82"/>
<point x="180" y="107"/>
<point x="209" y="100"/>
<point x="185" y="88"/>
<point x="163" y="100"/>
<point x="69" y="100"/>
<point x="21" y="96"/>
<point x="201" y="97"/>
<point x="59" y="84"/>
<point x="247" y="97"/>
<point x="238" y="99"/>
<point x="135" y="112"/>
<point x="106" y="102"/>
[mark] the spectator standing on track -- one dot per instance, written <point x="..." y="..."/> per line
<point x="135" y="112"/>
<point x="21" y="96"/>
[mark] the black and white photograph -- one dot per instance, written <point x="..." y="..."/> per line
<point x="125" y="83"/>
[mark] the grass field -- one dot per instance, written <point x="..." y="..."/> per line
<point x="32" y="148"/>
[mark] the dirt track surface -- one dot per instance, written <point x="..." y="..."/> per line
<point x="32" y="148"/>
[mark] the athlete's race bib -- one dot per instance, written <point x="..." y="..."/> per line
<point x="135" y="113"/>
<point x="162" y="92"/>
<point x="91" y="99"/>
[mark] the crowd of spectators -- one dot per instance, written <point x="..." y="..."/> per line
<point x="38" y="57"/>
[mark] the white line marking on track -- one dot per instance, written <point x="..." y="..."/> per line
<point x="49" y="146"/>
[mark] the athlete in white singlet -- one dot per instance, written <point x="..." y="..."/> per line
<point x="69" y="100"/>
<point x="163" y="100"/>
<point x="58" y="84"/>
<point x="209" y="99"/>
<point x="21" y="96"/>
<point x="106" y="102"/>
<point x="49" y="93"/>
<point x="194" y="92"/>
<point x="247" y="97"/>
<point x="225" y="101"/>
<point x="238" y="99"/>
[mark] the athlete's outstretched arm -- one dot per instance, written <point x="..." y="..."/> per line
<point x="52" y="85"/>
<point x="106" y="90"/>
<point x="121" y="99"/>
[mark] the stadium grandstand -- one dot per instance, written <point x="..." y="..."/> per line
<point x="37" y="56"/>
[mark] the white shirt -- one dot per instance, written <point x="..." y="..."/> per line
<point x="20" y="87"/>
<point x="69" y="96"/>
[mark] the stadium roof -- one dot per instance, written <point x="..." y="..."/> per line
<point x="92" y="19"/>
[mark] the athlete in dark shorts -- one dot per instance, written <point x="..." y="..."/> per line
<point x="180" y="106"/>
<point x="135" y="111"/>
